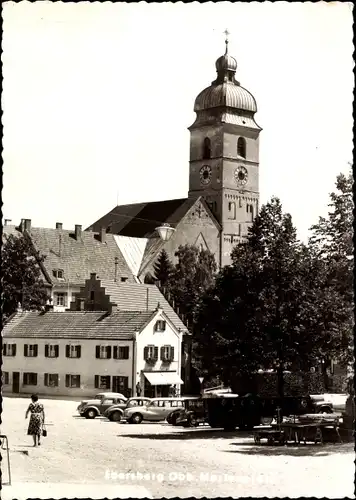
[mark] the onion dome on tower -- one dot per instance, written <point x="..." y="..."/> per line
<point x="225" y="100"/>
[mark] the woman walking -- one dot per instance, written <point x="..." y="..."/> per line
<point x="36" y="420"/>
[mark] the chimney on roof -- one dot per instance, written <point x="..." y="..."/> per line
<point x="59" y="225"/>
<point x="77" y="231"/>
<point x="93" y="276"/>
<point x="113" y="308"/>
<point x="27" y="225"/>
<point x="116" y="262"/>
<point x="102" y="235"/>
<point x="7" y="222"/>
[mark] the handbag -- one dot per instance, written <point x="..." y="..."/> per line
<point x="44" y="431"/>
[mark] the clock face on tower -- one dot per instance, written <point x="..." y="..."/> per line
<point x="205" y="174"/>
<point x="241" y="176"/>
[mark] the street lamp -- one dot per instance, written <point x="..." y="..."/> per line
<point x="165" y="231"/>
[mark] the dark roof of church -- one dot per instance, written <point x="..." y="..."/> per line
<point x="77" y="258"/>
<point x="120" y="325"/>
<point x="141" y="219"/>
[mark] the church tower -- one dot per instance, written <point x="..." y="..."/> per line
<point x="224" y="154"/>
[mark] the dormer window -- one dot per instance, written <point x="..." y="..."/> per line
<point x="58" y="273"/>
<point x="241" y="147"/>
<point x="160" y="326"/>
<point x="206" y="149"/>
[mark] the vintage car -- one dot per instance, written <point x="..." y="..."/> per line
<point x="116" y="412"/>
<point x="156" y="410"/>
<point x="94" y="407"/>
<point x="191" y="415"/>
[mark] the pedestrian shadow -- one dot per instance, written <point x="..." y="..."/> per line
<point x="292" y="450"/>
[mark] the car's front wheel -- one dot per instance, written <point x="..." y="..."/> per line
<point x="90" y="414"/>
<point x="136" y="418"/>
<point x="115" y="416"/>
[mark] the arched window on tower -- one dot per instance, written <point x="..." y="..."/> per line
<point x="241" y="147"/>
<point x="232" y="210"/>
<point x="206" y="149"/>
<point x="251" y="212"/>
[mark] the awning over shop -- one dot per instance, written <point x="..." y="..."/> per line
<point x="163" y="378"/>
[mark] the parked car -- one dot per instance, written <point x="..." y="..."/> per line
<point x="191" y="415"/>
<point x="321" y="404"/>
<point x="116" y="412"/>
<point x="156" y="410"/>
<point x="95" y="407"/>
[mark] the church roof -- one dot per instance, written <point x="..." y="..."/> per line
<point x="141" y="219"/>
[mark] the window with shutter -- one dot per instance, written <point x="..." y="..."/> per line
<point x="145" y="353"/>
<point x="67" y="352"/>
<point x="160" y="326"/>
<point x="78" y="351"/>
<point x="72" y="380"/>
<point x="35" y="350"/>
<point x="156" y="353"/>
<point x="115" y="355"/>
<point x="124" y="352"/>
<point x="25" y="350"/>
<point x="96" y="381"/>
<point x="56" y="351"/>
<point x="46" y="379"/>
<point x="46" y="353"/>
<point x="108" y="352"/>
<point x="9" y="349"/>
<point x="162" y="353"/>
<point x="30" y="378"/>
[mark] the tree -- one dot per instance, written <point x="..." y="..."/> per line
<point x="332" y="242"/>
<point x="163" y="268"/>
<point x="262" y="311"/>
<point x="22" y="281"/>
<point x="193" y="274"/>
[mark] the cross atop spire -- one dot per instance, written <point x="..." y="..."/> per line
<point x="227" y="33"/>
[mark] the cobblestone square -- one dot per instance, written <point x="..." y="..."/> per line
<point x="98" y="458"/>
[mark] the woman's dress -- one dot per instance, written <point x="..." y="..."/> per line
<point x="36" y="419"/>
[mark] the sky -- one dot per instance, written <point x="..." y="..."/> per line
<point x="97" y="99"/>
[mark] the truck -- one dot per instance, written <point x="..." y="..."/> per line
<point x="231" y="410"/>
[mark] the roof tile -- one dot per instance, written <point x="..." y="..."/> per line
<point x="120" y="325"/>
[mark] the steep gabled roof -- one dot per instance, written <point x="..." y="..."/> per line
<point x="120" y="325"/>
<point x="141" y="219"/>
<point x="77" y="257"/>
<point x="139" y="297"/>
